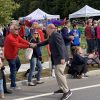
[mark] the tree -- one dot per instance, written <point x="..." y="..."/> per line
<point x="6" y="10"/>
<point x="61" y="7"/>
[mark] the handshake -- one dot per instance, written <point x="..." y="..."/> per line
<point x="32" y="45"/>
<point x="71" y="37"/>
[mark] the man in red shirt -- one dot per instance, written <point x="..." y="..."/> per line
<point x="11" y="47"/>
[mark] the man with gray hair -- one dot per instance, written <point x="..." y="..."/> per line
<point x="60" y="58"/>
<point x="11" y="47"/>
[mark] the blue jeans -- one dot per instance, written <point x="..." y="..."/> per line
<point x="35" y="65"/>
<point x="1" y="86"/>
<point x="14" y="67"/>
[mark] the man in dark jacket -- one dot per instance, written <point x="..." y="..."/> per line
<point x="60" y="58"/>
<point x="65" y="34"/>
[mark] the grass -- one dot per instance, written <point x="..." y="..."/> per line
<point x="45" y="73"/>
<point x="20" y="75"/>
<point x="22" y="56"/>
<point x="45" y="52"/>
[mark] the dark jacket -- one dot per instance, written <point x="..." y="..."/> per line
<point x="78" y="60"/>
<point x="57" y="47"/>
<point x="65" y="35"/>
<point x="36" y="51"/>
<point x="78" y="65"/>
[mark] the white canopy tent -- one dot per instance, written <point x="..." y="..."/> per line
<point x="38" y="14"/>
<point x="86" y="11"/>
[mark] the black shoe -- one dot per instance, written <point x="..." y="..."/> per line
<point x="59" y="91"/>
<point x="8" y="92"/>
<point x="66" y="95"/>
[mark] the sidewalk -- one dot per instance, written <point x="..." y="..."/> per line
<point x="45" y="65"/>
<point x="24" y="67"/>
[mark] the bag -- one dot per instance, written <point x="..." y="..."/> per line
<point x="28" y="53"/>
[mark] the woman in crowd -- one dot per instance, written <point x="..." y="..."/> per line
<point x="35" y="62"/>
<point x="78" y="65"/>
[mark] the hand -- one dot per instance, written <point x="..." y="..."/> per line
<point x="63" y="61"/>
<point x="91" y="56"/>
<point x="71" y="37"/>
<point x="40" y="58"/>
<point x="32" y="45"/>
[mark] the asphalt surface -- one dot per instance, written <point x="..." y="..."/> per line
<point x="82" y="89"/>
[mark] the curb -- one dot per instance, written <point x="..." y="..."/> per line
<point x="90" y="73"/>
<point x="94" y="73"/>
<point x="24" y="82"/>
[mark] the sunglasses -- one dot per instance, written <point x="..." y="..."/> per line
<point x="35" y="33"/>
<point x="16" y="29"/>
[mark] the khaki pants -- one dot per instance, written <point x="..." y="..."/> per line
<point x="61" y="78"/>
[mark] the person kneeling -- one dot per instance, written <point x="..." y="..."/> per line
<point x="78" y="65"/>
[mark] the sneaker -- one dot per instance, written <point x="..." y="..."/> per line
<point x="84" y="76"/>
<point x="53" y="73"/>
<point x="2" y="95"/>
<point x="79" y="77"/>
<point x="59" y="91"/>
<point x="31" y="84"/>
<point x="39" y="82"/>
<point x="66" y="95"/>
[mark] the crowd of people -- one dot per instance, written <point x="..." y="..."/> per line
<point x="63" y="47"/>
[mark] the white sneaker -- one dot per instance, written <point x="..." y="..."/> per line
<point x="53" y="73"/>
<point x="2" y="95"/>
<point x="84" y="76"/>
<point x="31" y="84"/>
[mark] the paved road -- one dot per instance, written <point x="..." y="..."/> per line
<point x="83" y="89"/>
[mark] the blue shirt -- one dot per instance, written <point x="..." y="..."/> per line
<point x="76" y="33"/>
